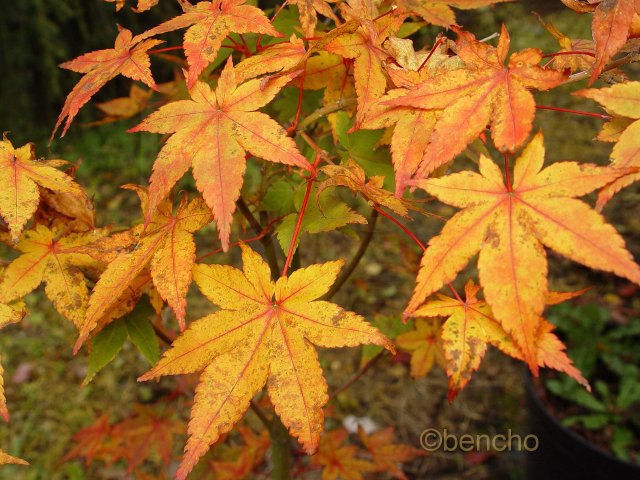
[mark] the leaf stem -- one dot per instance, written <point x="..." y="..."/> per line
<point x="575" y="52"/>
<point x="167" y="49"/>
<point x="401" y="225"/>
<point x="260" y="414"/>
<point x="433" y="49"/>
<point x="348" y="270"/>
<point x="280" y="450"/>
<point x="577" y="112"/>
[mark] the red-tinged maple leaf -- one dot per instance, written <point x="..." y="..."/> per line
<point x="485" y="92"/>
<point x="68" y="212"/>
<point x="386" y="455"/>
<point x="263" y="334"/>
<point x="129" y="58"/>
<point x="623" y="101"/>
<point x="245" y="458"/>
<point x="94" y="442"/>
<point x="509" y="224"/>
<point x="424" y="343"/>
<point x="274" y="58"/>
<point x="147" y="430"/>
<point x="470" y="327"/>
<point x="573" y="62"/>
<point x="20" y="176"/>
<point x="50" y="257"/>
<point x="353" y="177"/>
<point x="439" y="12"/>
<point x="339" y="461"/>
<point x="209" y="24"/>
<point x="309" y="10"/>
<point x="364" y="46"/>
<point x="612" y="20"/>
<point x="142" y="6"/>
<point x="211" y="133"/>
<point x="166" y="245"/>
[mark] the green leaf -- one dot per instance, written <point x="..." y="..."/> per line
<point x="279" y="198"/>
<point x="141" y="332"/>
<point x="362" y="147"/>
<point x="621" y="442"/>
<point x="104" y="348"/>
<point x="329" y="213"/>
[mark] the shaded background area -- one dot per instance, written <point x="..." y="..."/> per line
<point x="42" y="377"/>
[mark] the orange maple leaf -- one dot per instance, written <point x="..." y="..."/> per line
<point x="50" y="257"/>
<point x="339" y="461"/>
<point x="274" y="58"/>
<point x="439" y="12"/>
<point x="364" y="46"/>
<point x="166" y="245"/>
<point x="386" y="455"/>
<point x="209" y="24"/>
<point x="470" y="326"/>
<point x="309" y="9"/>
<point x="623" y="101"/>
<point x="5" y="459"/>
<point x="263" y="334"/>
<point x="353" y="177"/>
<point x="509" y="224"/>
<point x="485" y="91"/>
<point x="211" y="133"/>
<point x="129" y="58"/>
<point x="20" y="175"/>
<point x="92" y="442"/>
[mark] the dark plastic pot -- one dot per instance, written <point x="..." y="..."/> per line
<point x="562" y="454"/>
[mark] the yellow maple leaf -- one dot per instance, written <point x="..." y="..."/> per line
<point x="263" y="334"/>
<point x="166" y="245"/>
<point x="5" y="458"/>
<point x="20" y="175"/>
<point x="425" y="345"/>
<point x="47" y="256"/>
<point x="509" y="224"/>
<point x="623" y="101"/>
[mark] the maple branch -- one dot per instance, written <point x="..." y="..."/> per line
<point x="576" y="52"/>
<point x="365" y="368"/>
<point x="265" y="237"/>
<point x="292" y="128"/>
<point x="280" y="450"/>
<point x="576" y="77"/>
<point x="364" y="244"/>
<point x="577" y="112"/>
<point x="340" y="104"/>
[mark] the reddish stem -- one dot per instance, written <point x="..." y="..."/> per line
<point x="415" y="239"/>
<point x="577" y="112"/>
<point x="433" y="49"/>
<point x="303" y="208"/>
<point x="507" y="172"/>
<point x="382" y="15"/>
<point x="259" y="47"/>
<point x="576" y="52"/>
<point x="167" y="49"/>
<point x="292" y="128"/>
<point x="245" y="45"/>
<point x="239" y="48"/>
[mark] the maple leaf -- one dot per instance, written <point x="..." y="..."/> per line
<point x="124" y="107"/>
<point x="93" y="442"/>
<point x="485" y="91"/>
<point x="339" y="461"/>
<point x="143" y="5"/>
<point x="309" y="9"/>
<point x="209" y="24"/>
<point x="573" y="62"/>
<point x="612" y="20"/>
<point x="67" y="212"/>
<point x="364" y="46"/>
<point x="247" y="457"/>
<point x="211" y="133"/>
<point x="439" y="12"/>
<point x="509" y="224"/>
<point x="20" y="175"/>
<point x="167" y="246"/>
<point x="145" y="430"/>
<point x="622" y="100"/>
<point x="129" y="58"/>
<point x="353" y="177"/>
<point x="386" y="455"/>
<point x="470" y="327"/>
<point x="47" y="256"/>
<point x="263" y="334"/>
<point x="425" y="345"/>
<point x="5" y="459"/>
<point x="275" y="58"/>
